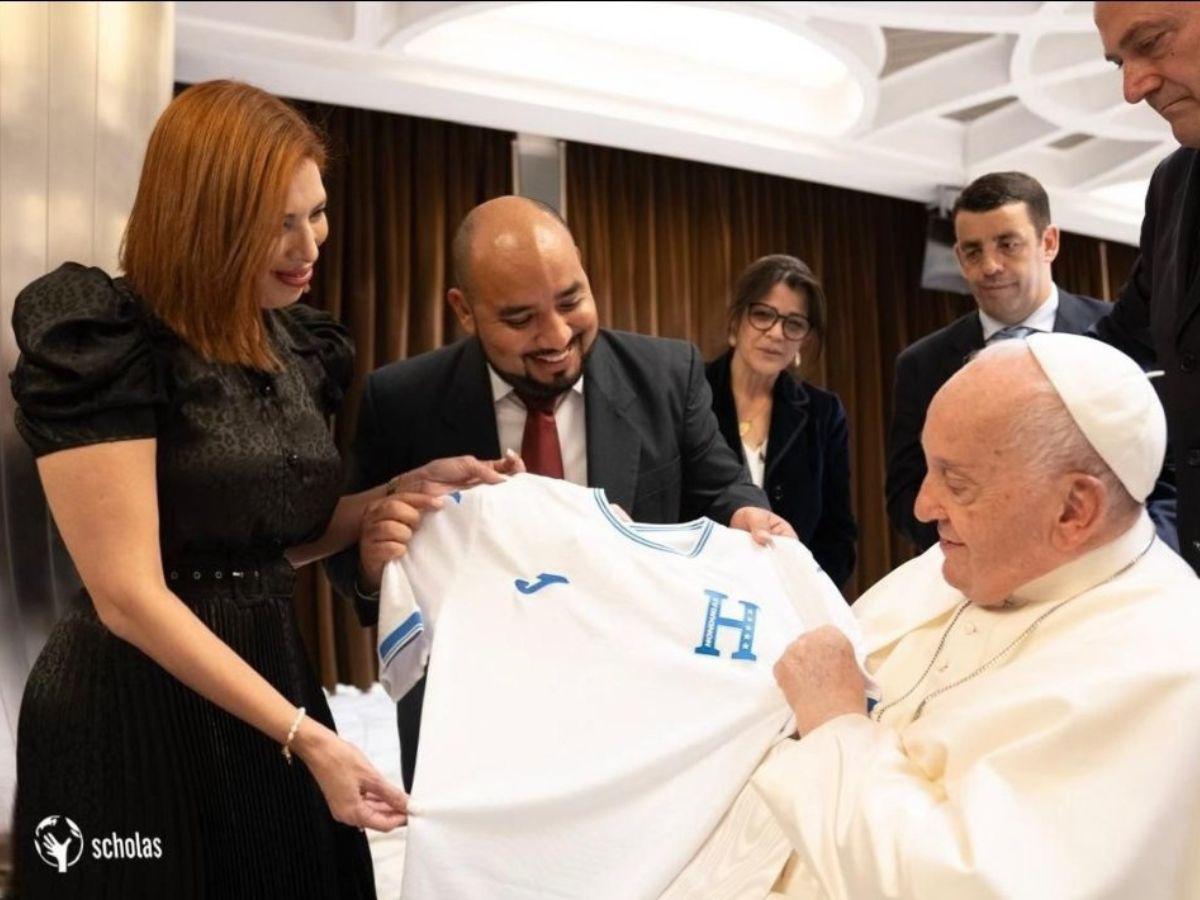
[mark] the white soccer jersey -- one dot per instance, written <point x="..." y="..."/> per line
<point x="598" y="692"/>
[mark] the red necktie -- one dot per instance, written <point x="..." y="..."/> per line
<point x="539" y="447"/>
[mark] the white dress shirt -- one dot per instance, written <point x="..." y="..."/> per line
<point x="568" y="416"/>
<point x="1041" y="319"/>
<point x="756" y="462"/>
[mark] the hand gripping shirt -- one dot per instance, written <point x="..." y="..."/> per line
<point x="598" y="690"/>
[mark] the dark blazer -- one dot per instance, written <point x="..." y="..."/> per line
<point x="807" y="472"/>
<point x="1155" y="321"/>
<point x="652" y="443"/>
<point x="921" y="370"/>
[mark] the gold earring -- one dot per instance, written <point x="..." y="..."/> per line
<point x="796" y="362"/>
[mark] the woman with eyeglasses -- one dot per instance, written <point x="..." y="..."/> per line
<point x="791" y="435"/>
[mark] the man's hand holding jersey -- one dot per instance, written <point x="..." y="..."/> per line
<point x="762" y="524"/>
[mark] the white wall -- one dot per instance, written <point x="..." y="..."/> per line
<point x="81" y="85"/>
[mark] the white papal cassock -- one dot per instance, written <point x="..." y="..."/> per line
<point x="1069" y="767"/>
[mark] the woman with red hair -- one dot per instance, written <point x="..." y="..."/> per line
<point x="179" y="416"/>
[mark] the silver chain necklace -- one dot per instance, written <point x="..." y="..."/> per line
<point x="877" y="713"/>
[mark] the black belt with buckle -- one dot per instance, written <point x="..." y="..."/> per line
<point x="242" y="577"/>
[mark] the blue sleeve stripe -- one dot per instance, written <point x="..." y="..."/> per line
<point x="401" y="634"/>
<point x="387" y="660"/>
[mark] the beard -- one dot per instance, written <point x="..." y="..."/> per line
<point x="527" y="386"/>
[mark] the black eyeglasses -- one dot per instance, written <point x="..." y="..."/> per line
<point x="763" y="318"/>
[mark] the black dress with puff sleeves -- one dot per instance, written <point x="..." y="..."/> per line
<point x="246" y="467"/>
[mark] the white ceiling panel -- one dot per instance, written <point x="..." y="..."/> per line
<point x="894" y="98"/>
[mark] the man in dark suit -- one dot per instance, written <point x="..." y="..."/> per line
<point x="625" y="412"/>
<point x="1005" y="244"/>
<point x="1157" y="317"/>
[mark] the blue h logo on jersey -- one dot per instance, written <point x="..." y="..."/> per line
<point x="714" y="619"/>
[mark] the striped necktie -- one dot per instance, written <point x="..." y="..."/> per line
<point x="1011" y="332"/>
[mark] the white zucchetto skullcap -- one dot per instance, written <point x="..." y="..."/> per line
<point x="1111" y="400"/>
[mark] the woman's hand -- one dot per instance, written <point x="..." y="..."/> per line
<point x="355" y="791"/>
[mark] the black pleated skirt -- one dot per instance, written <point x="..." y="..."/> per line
<point x="171" y="797"/>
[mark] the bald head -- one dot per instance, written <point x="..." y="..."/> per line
<point x="998" y="389"/>
<point x="1005" y="393"/>
<point x="505" y="226"/>
<point x="997" y="380"/>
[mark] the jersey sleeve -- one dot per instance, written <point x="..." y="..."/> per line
<point x="415" y="587"/>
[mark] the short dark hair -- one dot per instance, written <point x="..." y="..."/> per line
<point x="764" y="273"/>
<point x="996" y="189"/>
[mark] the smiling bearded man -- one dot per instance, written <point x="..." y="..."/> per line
<point x="537" y="375"/>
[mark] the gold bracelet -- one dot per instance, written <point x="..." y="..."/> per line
<point x="287" y="745"/>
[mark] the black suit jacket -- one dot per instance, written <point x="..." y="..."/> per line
<point x="1156" y="321"/>
<point x="652" y="443"/>
<point x="807" y="472"/>
<point x="921" y="370"/>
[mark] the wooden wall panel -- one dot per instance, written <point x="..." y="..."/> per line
<point x="81" y="85"/>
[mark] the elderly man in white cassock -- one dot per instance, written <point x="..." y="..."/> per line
<point x="1038" y="732"/>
